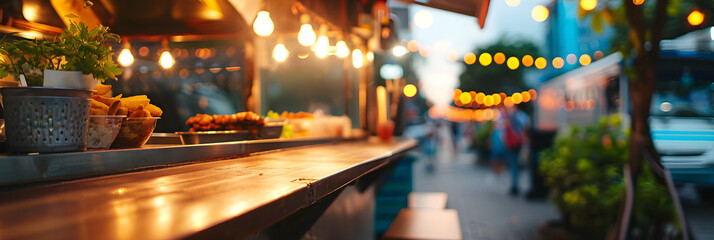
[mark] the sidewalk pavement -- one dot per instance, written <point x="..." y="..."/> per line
<point x="486" y="209"/>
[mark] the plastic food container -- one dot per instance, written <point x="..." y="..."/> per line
<point x="135" y="132"/>
<point x="102" y="130"/>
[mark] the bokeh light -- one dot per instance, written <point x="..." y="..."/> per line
<point x="499" y="58"/>
<point x="470" y="58"/>
<point x="527" y="61"/>
<point x="496" y="99"/>
<point x="413" y="46"/>
<point x="423" y="19"/>
<point x="540" y="13"/>
<point x="541" y="63"/>
<point x="517" y="98"/>
<point x="424" y="51"/>
<point x="513" y="3"/>
<point x="585" y="60"/>
<point x="513" y="63"/>
<point x="598" y="55"/>
<point x="465" y="98"/>
<point x="695" y="18"/>
<point x="571" y="59"/>
<point x="280" y="53"/>
<point x="485" y="59"/>
<point x="558" y="62"/>
<point x="588" y="5"/>
<point x="488" y="100"/>
<point x="526" y="96"/>
<point x="479" y="98"/>
<point x="638" y="2"/>
<point x="410" y="90"/>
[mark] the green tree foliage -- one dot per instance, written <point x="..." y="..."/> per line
<point x="496" y="78"/>
<point x="584" y="171"/>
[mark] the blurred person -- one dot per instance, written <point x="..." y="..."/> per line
<point x="507" y="138"/>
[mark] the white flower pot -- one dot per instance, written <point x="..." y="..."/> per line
<point x="69" y="79"/>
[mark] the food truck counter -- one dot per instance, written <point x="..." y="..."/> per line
<point x="236" y="197"/>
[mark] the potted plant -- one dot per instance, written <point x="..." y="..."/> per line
<point x="85" y="50"/>
<point x="78" y="58"/>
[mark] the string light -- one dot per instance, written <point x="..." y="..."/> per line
<point x="342" y="50"/>
<point x="321" y="47"/>
<point x="485" y="59"/>
<point x="558" y="62"/>
<point x="527" y="61"/>
<point x="541" y="63"/>
<point x="470" y="58"/>
<point x="499" y="58"/>
<point x="357" y="60"/>
<point x="585" y="60"/>
<point x="166" y="60"/>
<point x="306" y="36"/>
<point x="263" y="25"/>
<point x="638" y="2"/>
<point x="280" y="53"/>
<point x="512" y="63"/>
<point x="125" y="58"/>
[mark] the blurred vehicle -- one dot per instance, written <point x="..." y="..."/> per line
<point x="681" y="112"/>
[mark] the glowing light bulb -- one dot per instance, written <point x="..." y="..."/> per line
<point x="399" y="51"/>
<point x="280" y="53"/>
<point x="321" y="46"/>
<point x="357" y="60"/>
<point x="125" y="58"/>
<point x="166" y="60"/>
<point x="306" y="36"/>
<point x="263" y="25"/>
<point x="342" y="50"/>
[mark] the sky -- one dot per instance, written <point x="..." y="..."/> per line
<point x="455" y="32"/>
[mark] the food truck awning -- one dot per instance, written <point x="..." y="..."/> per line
<point x="474" y="8"/>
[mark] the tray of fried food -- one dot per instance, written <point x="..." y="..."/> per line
<point x="238" y="121"/>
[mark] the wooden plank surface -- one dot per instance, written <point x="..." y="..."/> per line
<point x="176" y="202"/>
<point x="423" y="223"/>
<point x="434" y="200"/>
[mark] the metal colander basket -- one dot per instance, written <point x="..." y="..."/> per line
<point x="46" y="119"/>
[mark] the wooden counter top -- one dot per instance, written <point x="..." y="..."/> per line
<point x="241" y="194"/>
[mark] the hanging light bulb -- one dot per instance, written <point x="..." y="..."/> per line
<point x="306" y="36"/>
<point x="357" y="59"/>
<point x="321" y="47"/>
<point x="125" y="58"/>
<point x="280" y="53"/>
<point x="342" y="50"/>
<point x="166" y="60"/>
<point x="263" y="25"/>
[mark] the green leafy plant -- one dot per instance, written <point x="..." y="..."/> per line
<point x="78" y="48"/>
<point x="85" y="50"/>
<point x="584" y="171"/>
<point x="29" y="58"/>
